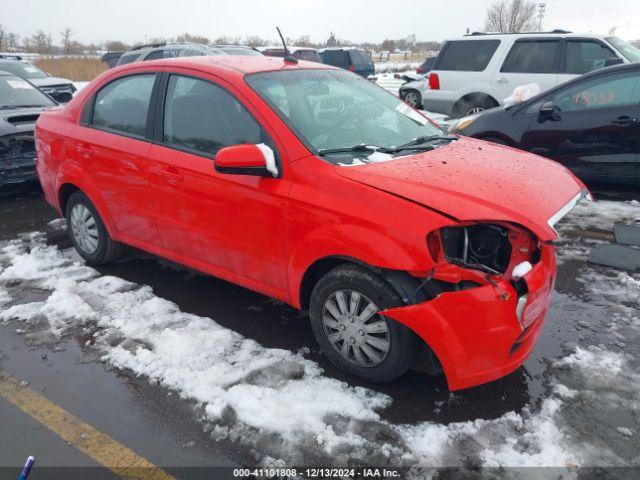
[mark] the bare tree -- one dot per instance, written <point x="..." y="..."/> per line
<point x="189" y="38"/>
<point x="255" y="41"/>
<point x="66" y="39"/>
<point x="116" y="46"/>
<point x="511" y="16"/>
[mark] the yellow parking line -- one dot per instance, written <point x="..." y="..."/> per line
<point x="92" y="442"/>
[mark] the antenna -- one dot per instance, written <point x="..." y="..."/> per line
<point x="287" y="56"/>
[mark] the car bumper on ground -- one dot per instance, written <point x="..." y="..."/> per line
<point x="476" y="333"/>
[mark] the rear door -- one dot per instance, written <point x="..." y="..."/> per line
<point x="530" y="60"/>
<point x="595" y="130"/>
<point x="361" y="63"/>
<point x="112" y="147"/>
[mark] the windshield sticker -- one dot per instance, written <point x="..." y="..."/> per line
<point x="409" y="112"/>
<point x="19" y="84"/>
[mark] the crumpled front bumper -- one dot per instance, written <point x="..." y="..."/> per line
<point x="476" y="333"/>
<point x="17" y="170"/>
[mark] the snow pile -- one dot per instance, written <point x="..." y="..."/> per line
<point x="272" y="399"/>
<point x="602" y="215"/>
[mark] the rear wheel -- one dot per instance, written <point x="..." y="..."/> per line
<point x="472" y="105"/>
<point x="413" y="98"/>
<point x="88" y="233"/>
<point x="345" y="316"/>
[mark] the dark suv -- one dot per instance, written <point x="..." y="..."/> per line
<point x="355" y="60"/>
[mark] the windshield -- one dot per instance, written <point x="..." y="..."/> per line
<point x="630" y="52"/>
<point x="24" y="70"/>
<point x="15" y="92"/>
<point x="333" y="109"/>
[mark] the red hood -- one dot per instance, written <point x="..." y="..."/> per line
<point x="474" y="180"/>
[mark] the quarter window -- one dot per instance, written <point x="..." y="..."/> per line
<point x="202" y="117"/>
<point x="123" y="104"/>
<point x="584" y="56"/>
<point x="532" y="57"/>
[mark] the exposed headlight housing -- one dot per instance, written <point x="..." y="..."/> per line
<point x="560" y="214"/>
<point x="463" y="123"/>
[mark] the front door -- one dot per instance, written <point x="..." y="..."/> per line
<point x="595" y="130"/>
<point x="230" y="225"/>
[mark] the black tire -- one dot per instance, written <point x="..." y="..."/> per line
<point x="473" y="104"/>
<point x="412" y="97"/>
<point x="107" y="249"/>
<point x="402" y="341"/>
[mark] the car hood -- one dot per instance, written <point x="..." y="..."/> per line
<point x="50" y="81"/>
<point x="19" y="119"/>
<point x="475" y="180"/>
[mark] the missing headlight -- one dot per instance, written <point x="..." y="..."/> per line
<point x="482" y="245"/>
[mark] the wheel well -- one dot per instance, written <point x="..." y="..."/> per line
<point x="471" y="96"/>
<point x="65" y="192"/>
<point x="315" y="272"/>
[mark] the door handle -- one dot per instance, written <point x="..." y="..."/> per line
<point x="171" y="175"/>
<point x="503" y="80"/>
<point x="624" y="120"/>
<point x="85" y="150"/>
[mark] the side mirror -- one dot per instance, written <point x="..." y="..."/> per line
<point x="547" y="108"/>
<point x="610" y="62"/>
<point x="247" y="159"/>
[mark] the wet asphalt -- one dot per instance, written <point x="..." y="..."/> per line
<point x="163" y="428"/>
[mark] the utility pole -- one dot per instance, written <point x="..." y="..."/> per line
<point x="541" y="9"/>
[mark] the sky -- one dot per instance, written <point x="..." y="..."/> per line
<point x="356" y="20"/>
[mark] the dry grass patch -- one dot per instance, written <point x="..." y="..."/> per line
<point x="78" y="69"/>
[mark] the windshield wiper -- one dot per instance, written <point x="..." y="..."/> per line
<point x="356" y="148"/>
<point x="424" y="139"/>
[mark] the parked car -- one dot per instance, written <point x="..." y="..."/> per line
<point x="314" y="186"/>
<point x="235" y="50"/>
<point x="301" y="53"/>
<point x="166" y="50"/>
<point x="111" y="58"/>
<point x="479" y="71"/>
<point x="355" y="60"/>
<point x="426" y="66"/>
<point x="21" y="104"/>
<point x="590" y="124"/>
<point x="60" y="89"/>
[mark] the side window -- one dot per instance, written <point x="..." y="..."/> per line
<point x="605" y="92"/>
<point x="155" y="55"/>
<point x="203" y="117"/>
<point x="466" y="55"/>
<point x="584" y="56"/>
<point x="123" y="104"/>
<point x="531" y="57"/>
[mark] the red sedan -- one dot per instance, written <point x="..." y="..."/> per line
<point x="316" y="187"/>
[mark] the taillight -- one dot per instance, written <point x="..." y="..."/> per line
<point x="434" y="81"/>
<point x="352" y="68"/>
<point x="419" y="70"/>
<point x="434" y="245"/>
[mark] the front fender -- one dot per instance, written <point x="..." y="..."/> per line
<point x="356" y="242"/>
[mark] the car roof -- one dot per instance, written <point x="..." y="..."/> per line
<point x="242" y="64"/>
<point x="515" y="36"/>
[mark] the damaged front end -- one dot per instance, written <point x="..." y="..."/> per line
<point x="482" y="305"/>
<point x="17" y="158"/>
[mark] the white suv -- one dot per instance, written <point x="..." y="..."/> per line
<point x="479" y="71"/>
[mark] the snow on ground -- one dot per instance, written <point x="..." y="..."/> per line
<point x="283" y="405"/>
<point x="602" y="214"/>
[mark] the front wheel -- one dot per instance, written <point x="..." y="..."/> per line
<point x="413" y="98"/>
<point x="346" y="321"/>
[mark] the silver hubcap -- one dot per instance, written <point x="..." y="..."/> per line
<point x="475" y="110"/>
<point x="355" y="329"/>
<point x="411" y="98"/>
<point x="84" y="229"/>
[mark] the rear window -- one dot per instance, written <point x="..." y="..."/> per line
<point x="467" y="55"/>
<point x="128" y="58"/>
<point x="359" y="57"/>
<point x="337" y="58"/>
<point x="538" y="56"/>
<point x="310" y="55"/>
